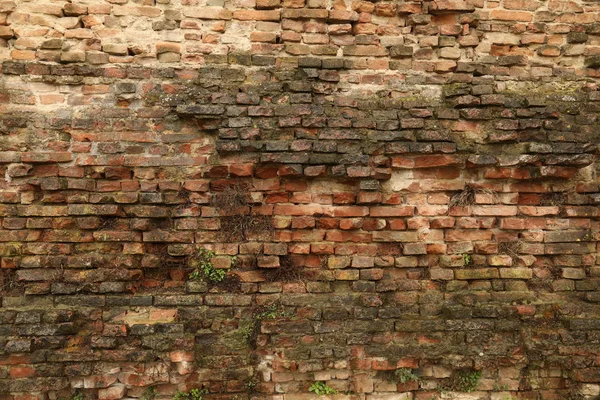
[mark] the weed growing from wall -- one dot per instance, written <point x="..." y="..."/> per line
<point x="250" y="329"/>
<point x="468" y="259"/>
<point x="465" y="380"/>
<point x="76" y="396"/>
<point x="194" y="394"/>
<point x="149" y="394"/>
<point x="203" y="269"/>
<point x="321" y="388"/>
<point x="251" y="384"/>
<point x="401" y="375"/>
<point x="404" y="375"/>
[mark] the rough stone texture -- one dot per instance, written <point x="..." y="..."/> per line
<point x="418" y="185"/>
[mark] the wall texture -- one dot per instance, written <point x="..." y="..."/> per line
<point x="403" y="196"/>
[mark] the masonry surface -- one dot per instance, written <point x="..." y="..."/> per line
<point x="403" y="196"/>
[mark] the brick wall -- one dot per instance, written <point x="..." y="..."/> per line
<point x="396" y="199"/>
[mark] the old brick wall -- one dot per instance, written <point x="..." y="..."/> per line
<point x="403" y="194"/>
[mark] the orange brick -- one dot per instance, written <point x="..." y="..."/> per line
<point x="22" y="55"/>
<point x="504" y="15"/>
<point x="52" y="98"/>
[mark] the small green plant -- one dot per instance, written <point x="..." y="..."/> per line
<point x="466" y="380"/>
<point x="203" y="267"/>
<point x="273" y="311"/>
<point x="76" y="396"/>
<point x="401" y="375"/>
<point x="467" y="259"/>
<point x="321" y="388"/>
<point x="250" y="329"/>
<point x="247" y="330"/>
<point x="194" y="394"/>
<point x="149" y="394"/>
<point x="251" y="383"/>
<point x="404" y="375"/>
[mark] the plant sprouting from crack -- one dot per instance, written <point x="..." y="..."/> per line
<point x="76" y="396"/>
<point x="203" y="268"/>
<point x="404" y="375"/>
<point x="149" y="394"/>
<point x="250" y="329"/>
<point x="466" y="380"/>
<point x="194" y="394"/>
<point x="251" y="383"/>
<point x="401" y="375"/>
<point x="321" y="388"/>
<point x="468" y="259"/>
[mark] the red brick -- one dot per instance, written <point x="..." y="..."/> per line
<point x="321" y="248"/>
<point x="343" y="198"/>
<point x="337" y="236"/>
<point x="297" y="210"/>
<point x="349" y="211"/>
<point x="398" y="211"/>
<point x="241" y="169"/>
<point x="432" y="210"/>
<point x="351" y="223"/>
<point x="437" y="161"/>
<point x="458" y="235"/>
<point x="369" y="197"/>
<point x="21" y="372"/>
<point x="538" y="211"/>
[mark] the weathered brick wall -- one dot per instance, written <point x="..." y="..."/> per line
<point x="403" y="194"/>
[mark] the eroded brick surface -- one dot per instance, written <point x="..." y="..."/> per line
<point x="401" y="186"/>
